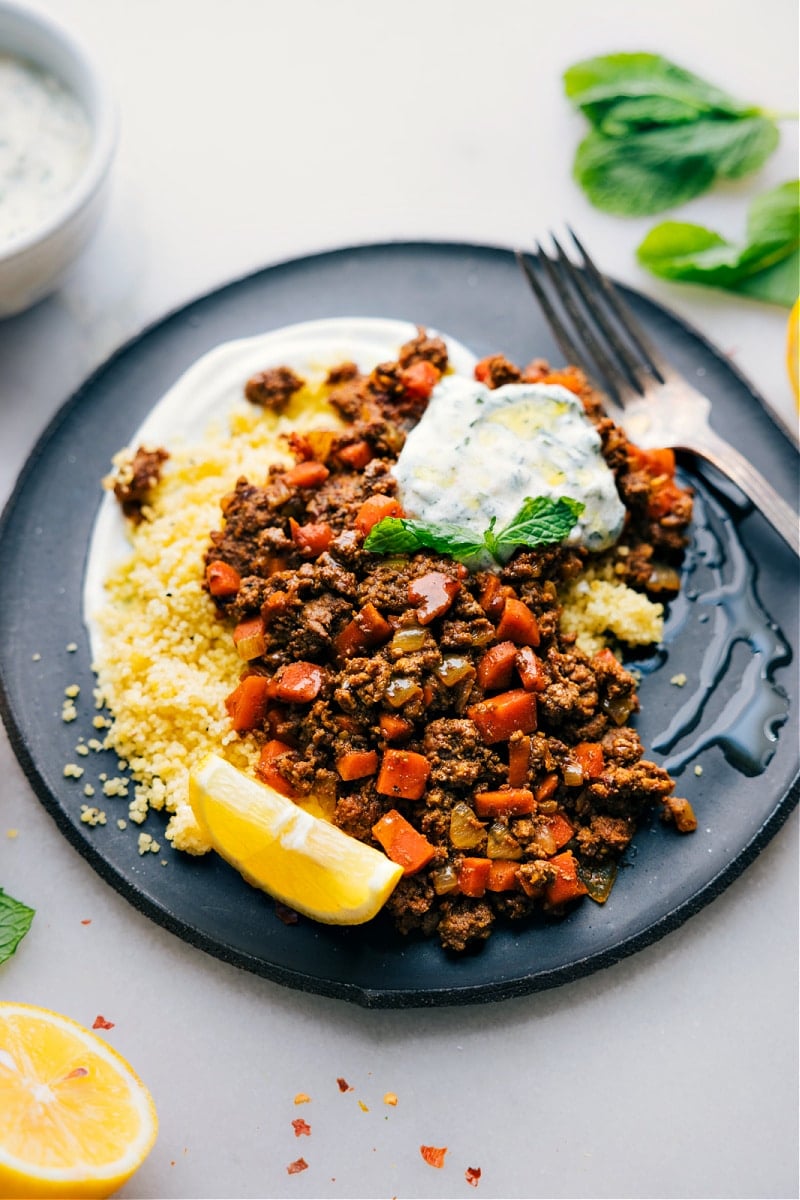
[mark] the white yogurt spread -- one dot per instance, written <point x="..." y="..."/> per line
<point x="45" y="140"/>
<point x="477" y="453"/>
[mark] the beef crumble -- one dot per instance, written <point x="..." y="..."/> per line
<point x="403" y="686"/>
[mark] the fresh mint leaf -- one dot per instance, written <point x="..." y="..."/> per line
<point x="15" y="921"/>
<point x="660" y="134"/>
<point x="396" y="535"/>
<point x="765" y="266"/>
<point x="540" y="522"/>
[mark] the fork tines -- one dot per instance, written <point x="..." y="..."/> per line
<point x="590" y="321"/>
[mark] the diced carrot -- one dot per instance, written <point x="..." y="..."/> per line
<point x="419" y="379"/>
<point x="663" y="496"/>
<point x="547" y="788"/>
<point x="559" y="828"/>
<point x="222" y="579"/>
<point x="500" y="716"/>
<point x="566" y="886"/>
<point x="403" y="773"/>
<point x="268" y="773"/>
<point x="249" y="638"/>
<point x="473" y="876"/>
<point x="519" y="759"/>
<point x="566" y="379"/>
<point x="368" y="629"/>
<point x="496" y="667"/>
<point x="356" y="455"/>
<point x="357" y="764"/>
<point x="307" y="474"/>
<point x="300" y="682"/>
<point x="402" y="843"/>
<point x="654" y="462"/>
<point x="590" y="757"/>
<point x="311" y="539"/>
<point x="433" y="593"/>
<point x="511" y="802"/>
<point x="529" y="668"/>
<point x="375" y="509"/>
<point x="502" y="875"/>
<point x="394" y="729"/>
<point x="518" y="624"/>
<point x="493" y="597"/>
<point x="247" y="704"/>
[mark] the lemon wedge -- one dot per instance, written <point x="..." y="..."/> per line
<point x="793" y="349"/>
<point x="298" y="858"/>
<point x="74" y="1118"/>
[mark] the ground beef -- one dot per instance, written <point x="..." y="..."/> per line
<point x="273" y="388"/>
<point x="135" y="480"/>
<point x="512" y="813"/>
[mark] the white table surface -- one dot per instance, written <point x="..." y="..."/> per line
<point x="253" y="131"/>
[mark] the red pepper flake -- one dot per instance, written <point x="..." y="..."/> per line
<point x="344" y="1086"/>
<point x="433" y="1155"/>
<point x="472" y="1175"/>
<point x="102" y="1023"/>
<point x="295" y="1167"/>
<point x="86" y="921"/>
<point x="301" y="1127"/>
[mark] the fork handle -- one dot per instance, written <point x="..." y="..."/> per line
<point x="730" y="462"/>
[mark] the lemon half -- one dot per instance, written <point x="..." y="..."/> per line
<point x="300" y="859"/>
<point x="75" y="1120"/>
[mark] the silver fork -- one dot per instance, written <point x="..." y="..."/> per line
<point x="653" y="403"/>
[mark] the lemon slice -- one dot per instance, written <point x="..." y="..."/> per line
<point x="74" y="1118"/>
<point x="298" y="858"/>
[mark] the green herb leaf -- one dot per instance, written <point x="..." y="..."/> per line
<point x="660" y="135"/>
<point x="766" y="267"/>
<point x="539" y="522"/>
<point x="396" y="535"/>
<point x="15" y="921"/>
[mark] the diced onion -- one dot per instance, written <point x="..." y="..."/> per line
<point x="454" y="668"/>
<point x="401" y="690"/>
<point x="466" y="831"/>
<point x="444" y="880"/>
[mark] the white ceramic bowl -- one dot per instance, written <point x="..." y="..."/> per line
<point x="33" y="264"/>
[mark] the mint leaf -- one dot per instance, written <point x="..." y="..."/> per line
<point x="396" y="535"/>
<point x="540" y="522"/>
<point x="765" y="266"/>
<point x="15" y="921"/>
<point x="660" y="134"/>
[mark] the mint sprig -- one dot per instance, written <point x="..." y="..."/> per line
<point x="15" y="921"/>
<point x="540" y="521"/>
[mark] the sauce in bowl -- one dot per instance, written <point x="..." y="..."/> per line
<point x="45" y="139"/>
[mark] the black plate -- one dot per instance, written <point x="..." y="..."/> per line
<point x="476" y="294"/>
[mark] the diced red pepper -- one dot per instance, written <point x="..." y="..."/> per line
<point x="357" y="764"/>
<point x="402" y="843"/>
<point x="403" y="773"/>
<point x="299" y="682"/>
<point x="473" y="876"/>
<point x="307" y="474"/>
<point x="566" y="886"/>
<point x="419" y="379"/>
<point x="529" y="668"/>
<point x="312" y="539"/>
<point x="500" y="716"/>
<point x="432" y="593"/>
<point x="222" y="579"/>
<point x="510" y="802"/>
<point x="518" y="624"/>
<point x="247" y="704"/>
<point x="375" y="509"/>
<point x="496" y="667"/>
<point x="249" y="638"/>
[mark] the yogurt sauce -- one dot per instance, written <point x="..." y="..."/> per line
<point x="477" y="453"/>
<point x="45" y="140"/>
